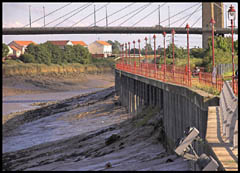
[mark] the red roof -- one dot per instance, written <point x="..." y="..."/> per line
<point x="103" y="43"/>
<point x="14" y="48"/>
<point x="79" y="42"/>
<point x="24" y="43"/>
<point x="59" y="42"/>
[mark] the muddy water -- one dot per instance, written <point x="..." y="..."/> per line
<point x="18" y="103"/>
<point x="58" y="126"/>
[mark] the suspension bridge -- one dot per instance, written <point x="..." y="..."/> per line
<point x="134" y="16"/>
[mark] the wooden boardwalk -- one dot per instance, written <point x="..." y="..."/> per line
<point x="219" y="144"/>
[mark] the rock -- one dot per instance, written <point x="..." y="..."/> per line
<point x="113" y="138"/>
<point x="108" y="165"/>
<point x="169" y="160"/>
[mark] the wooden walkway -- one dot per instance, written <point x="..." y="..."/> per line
<point x="220" y="146"/>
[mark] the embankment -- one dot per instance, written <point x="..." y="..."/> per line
<point x="36" y="69"/>
<point x="37" y="78"/>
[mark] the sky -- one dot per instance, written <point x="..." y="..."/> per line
<point x="17" y="15"/>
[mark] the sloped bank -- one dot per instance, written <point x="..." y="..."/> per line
<point x="131" y="143"/>
<point x="36" y="69"/>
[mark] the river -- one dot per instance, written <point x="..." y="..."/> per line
<point x="12" y="104"/>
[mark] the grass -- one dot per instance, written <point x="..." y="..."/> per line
<point x="146" y="115"/>
<point x="227" y="76"/>
<point x="16" y="67"/>
<point x="206" y="88"/>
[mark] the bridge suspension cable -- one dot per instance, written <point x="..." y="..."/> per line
<point x="48" y="14"/>
<point x="114" y="13"/>
<point x="140" y="10"/>
<point x="179" y="13"/>
<point x="184" y="17"/>
<point x="196" y="21"/>
<point x="66" y="14"/>
<point x="191" y="15"/>
<point x="90" y="14"/>
<point x="147" y="15"/>
<point x="129" y="13"/>
<point x="73" y="14"/>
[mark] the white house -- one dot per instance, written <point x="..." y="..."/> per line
<point x="18" y="47"/>
<point x="100" y="49"/>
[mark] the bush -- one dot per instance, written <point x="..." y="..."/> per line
<point x="27" y="58"/>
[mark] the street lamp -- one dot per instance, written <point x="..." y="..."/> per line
<point x="232" y="16"/>
<point x="139" y="64"/>
<point x="173" y="32"/>
<point x="164" y="41"/>
<point x="146" y="52"/>
<point x="154" y="38"/>
<point x="134" y="53"/>
<point x="122" y="45"/>
<point x="129" y="53"/>
<point x="212" y="22"/>
<point x="126" y="53"/>
<point x="189" y="80"/>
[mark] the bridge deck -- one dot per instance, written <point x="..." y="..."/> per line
<point x="220" y="146"/>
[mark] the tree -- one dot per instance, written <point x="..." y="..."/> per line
<point x="27" y="58"/>
<point x="56" y="53"/>
<point x="115" y="46"/>
<point x="5" y="50"/>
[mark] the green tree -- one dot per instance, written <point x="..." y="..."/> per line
<point x="5" y="50"/>
<point x="56" y="53"/>
<point x="115" y="46"/>
<point x="27" y="58"/>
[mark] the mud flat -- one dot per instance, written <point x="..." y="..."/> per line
<point x="88" y="132"/>
<point x="43" y="83"/>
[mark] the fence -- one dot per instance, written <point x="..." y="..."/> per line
<point x="229" y="114"/>
<point x="222" y="68"/>
<point x="172" y="74"/>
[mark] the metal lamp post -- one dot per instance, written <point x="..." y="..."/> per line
<point x="173" y="32"/>
<point x="155" y="61"/>
<point x="139" y="50"/>
<point x="232" y="16"/>
<point x="189" y="80"/>
<point x="212" y="22"/>
<point x="134" y="54"/>
<point x="122" y="53"/>
<point x="129" y="53"/>
<point x="146" y="51"/>
<point x="126" y="53"/>
<point x="164" y="41"/>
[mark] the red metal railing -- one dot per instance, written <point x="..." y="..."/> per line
<point x="173" y="74"/>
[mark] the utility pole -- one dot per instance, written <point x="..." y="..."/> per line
<point x="30" y="15"/>
<point x="168" y="16"/>
<point x="44" y="14"/>
<point x="106" y="18"/>
<point x="94" y="16"/>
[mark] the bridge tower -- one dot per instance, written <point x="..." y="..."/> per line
<point x="214" y="9"/>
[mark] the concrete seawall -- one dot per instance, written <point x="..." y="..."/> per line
<point x="182" y="107"/>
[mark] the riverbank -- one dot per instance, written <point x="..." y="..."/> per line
<point x="89" y="132"/>
<point x="42" y="83"/>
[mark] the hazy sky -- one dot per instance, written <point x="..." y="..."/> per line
<point x="17" y="15"/>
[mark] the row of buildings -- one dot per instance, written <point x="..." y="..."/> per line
<point x="97" y="48"/>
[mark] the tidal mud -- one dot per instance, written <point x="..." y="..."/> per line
<point x="87" y="132"/>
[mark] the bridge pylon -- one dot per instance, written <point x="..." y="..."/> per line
<point x="209" y="10"/>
